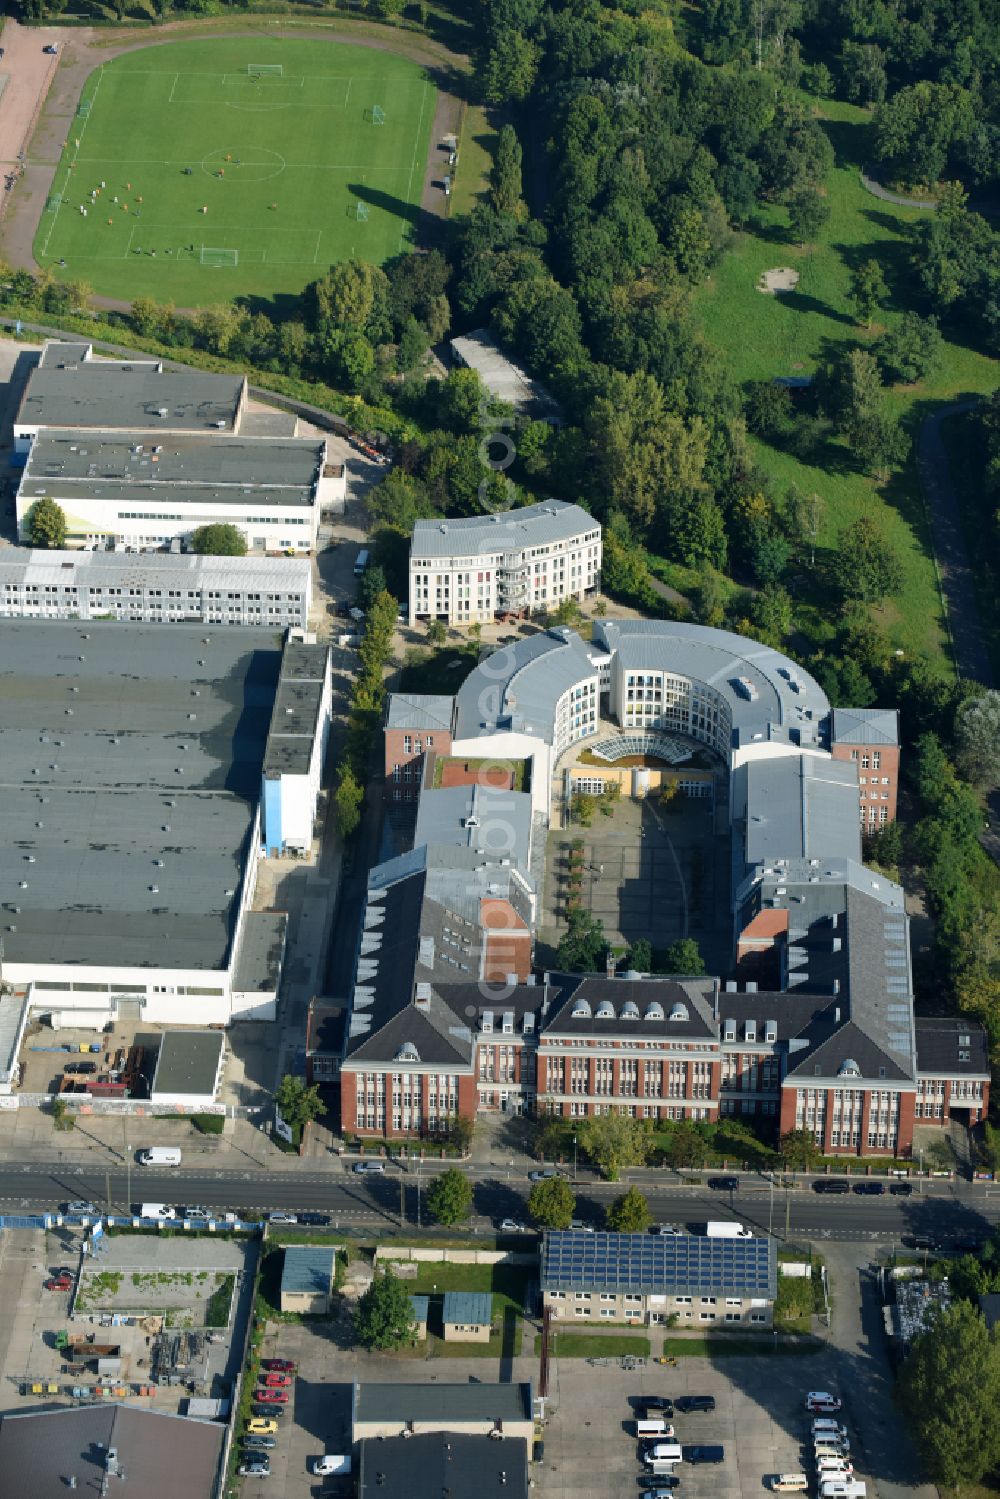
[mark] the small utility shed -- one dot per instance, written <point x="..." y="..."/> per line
<point x="418" y="1308"/>
<point x="307" y="1277"/>
<point x="188" y="1068"/>
<point x="467" y="1316"/>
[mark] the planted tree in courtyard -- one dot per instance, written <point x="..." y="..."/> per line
<point x="384" y="1318"/>
<point x="629" y="1214"/>
<point x="551" y="1203"/>
<point x="46" y="524"/>
<point x="683" y="957"/>
<point x="221" y="540"/>
<point x="298" y="1103"/>
<point x="449" y="1198"/>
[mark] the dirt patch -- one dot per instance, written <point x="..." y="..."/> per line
<point x="782" y="278"/>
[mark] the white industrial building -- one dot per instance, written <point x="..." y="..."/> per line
<point x="156" y="587"/>
<point x="296" y="749"/>
<point x="131" y="807"/>
<point x="516" y="562"/>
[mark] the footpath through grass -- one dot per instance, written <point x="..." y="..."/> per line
<point x="198" y="171"/>
<point x="796" y="332"/>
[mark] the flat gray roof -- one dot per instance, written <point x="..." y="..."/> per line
<point x="505" y="531"/>
<point x="496" y="822"/>
<point x="260" y="951"/>
<point x="162" y="1456"/>
<point x="72" y="388"/>
<point x="503" y="378"/>
<point x="145" y="570"/>
<point x="518" y="686"/>
<point x="801" y="806"/>
<point x="309" y="1268"/>
<point x="432" y="1402"/>
<point x="128" y="785"/>
<point x="176" y="468"/>
<point x="296" y="709"/>
<point x="188" y="1062"/>
<point x="443" y="1465"/>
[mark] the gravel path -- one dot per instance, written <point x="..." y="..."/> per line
<point x="86" y="48"/>
<point x="878" y="191"/>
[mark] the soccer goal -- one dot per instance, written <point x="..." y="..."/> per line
<point x="265" y="70"/>
<point x="363" y="210"/>
<point x="219" y="257"/>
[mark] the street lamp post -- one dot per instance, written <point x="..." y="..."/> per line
<point x="574" y="1157"/>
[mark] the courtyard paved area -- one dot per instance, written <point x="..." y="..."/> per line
<point x="655" y="872"/>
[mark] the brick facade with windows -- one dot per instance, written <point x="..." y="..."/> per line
<point x="416" y="725"/>
<point x="869" y="738"/>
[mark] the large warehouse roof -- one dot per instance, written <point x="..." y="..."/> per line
<point x="186" y="467"/>
<point x="70" y="388"/>
<point x="131" y="769"/>
<point x="145" y="570"/>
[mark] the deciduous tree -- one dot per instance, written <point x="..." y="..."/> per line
<point x="297" y="1102"/>
<point x="867" y="567"/>
<point x="949" y="1386"/>
<point x="614" y="1142"/>
<point x="219" y="540"/>
<point x="349" y="800"/>
<point x="46" y="524"/>
<point x="384" y="1318"/>
<point x="683" y="958"/>
<point x="977" y="739"/>
<point x="629" y="1214"/>
<point x="868" y="290"/>
<point x="551" y="1203"/>
<point x="449" y="1198"/>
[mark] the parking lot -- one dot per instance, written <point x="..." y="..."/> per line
<point x="590" y="1445"/>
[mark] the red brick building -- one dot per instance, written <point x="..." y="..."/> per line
<point x="870" y="738"/>
<point x="416" y="724"/>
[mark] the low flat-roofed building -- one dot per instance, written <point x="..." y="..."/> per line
<point x="142" y="490"/>
<point x="307" y="1277"/>
<point x="467" y="1316"/>
<point x="71" y="388"/>
<point x="645" y="1279"/>
<point x="109" y="1448"/>
<point x="188" y="1068"/>
<point x="133" y="760"/>
<point x="296" y="748"/>
<point x="443" y="1464"/>
<point x="155" y="587"/>
<point x="388" y="1410"/>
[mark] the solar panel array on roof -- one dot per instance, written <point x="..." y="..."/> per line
<point x="573" y="1261"/>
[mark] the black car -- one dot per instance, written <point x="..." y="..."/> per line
<point x="270" y="1411"/>
<point x="259" y="1444"/>
<point x="664" y="1483"/>
<point x="315" y="1220"/>
<point x="869" y="1189"/>
<point x="831" y="1184"/>
<point x="687" y="1403"/>
<point x="724" y="1183"/>
<point x="74" y="1068"/>
<point x="710" y="1454"/>
<point x="920" y="1241"/>
<point x="656" y="1405"/>
<point x="901" y="1189"/>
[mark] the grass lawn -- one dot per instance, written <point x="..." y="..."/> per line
<point x="475" y="158"/>
<point x="794" y="333"/>
<point x="241" y="183"/>
<point x="441" y="671"/>
<point x="508" y="1283"/>
<point x="711" y="1346"/>
<point x="595" y="1345"/>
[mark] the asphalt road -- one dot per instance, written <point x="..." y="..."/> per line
<point x="944" y="1210"/>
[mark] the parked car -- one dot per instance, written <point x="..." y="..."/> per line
<point x="262" y="1426"/>
<point x="271" y="1397"/>
<point x="267" y="1412"/>
<point x="315" y="1220"/>
<point x="580" y="1226"/>
<point x="369" y="1168"/>
<point x="258" y="1467"/>
<point x="282" y="1217"/>
<point x="51" y="48"/>
<point x="543" y="1174"/>
<point x="686" y="1404"/>
<point x="664" y="1488"/>
<point x="831" y="1184"/>
<point x="81" y="1209"/>
<point x="276" y="1381"/>
<point x="667" y="1230"/>
<point x="259" y="1444"/>
<point x="61" y="1282"/>
<point x="901" y="1189"/>
<point x="512" y="1226"/>
<point x="869" y="1189"/>
<point x="921" y="1241"/>
<point x="283" y="1365"/>
<point x="704" y="1454"/>
<point x="724" y="1183"/>
<point x="75" y="1068"/>
<point x="658" y="1405"/>
<point x="193" y="1213"/>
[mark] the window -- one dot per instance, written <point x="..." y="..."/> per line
<point x="607" y="1311"/>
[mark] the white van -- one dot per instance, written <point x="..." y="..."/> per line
<point x="790" y="1483"/>
<point x="662" y="1452"/>
<point x="833" y="1467"/>
<point x="158" y="1210"/>
<point x="827" y="1423"/>
<point x="830" y="1449"/>
<point x="843" y="1488"/>
<point x="160" y="1155"/>
<point x="653" y="1426"/>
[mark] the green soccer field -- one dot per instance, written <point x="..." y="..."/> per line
<point x="199" y="171"/>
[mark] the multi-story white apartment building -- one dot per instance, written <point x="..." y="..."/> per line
<point x="157" y="587"/>
<point x="526" y="561"/>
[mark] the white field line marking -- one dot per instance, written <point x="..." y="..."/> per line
<point x="348" y="94"/>
<point x="170" y="99"/>
<point x="413" y="163"/>
<point x="319" y="236"/>
<point x="76" y="154"/>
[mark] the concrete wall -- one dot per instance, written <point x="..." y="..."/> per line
<point x="451" y="1256"/>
